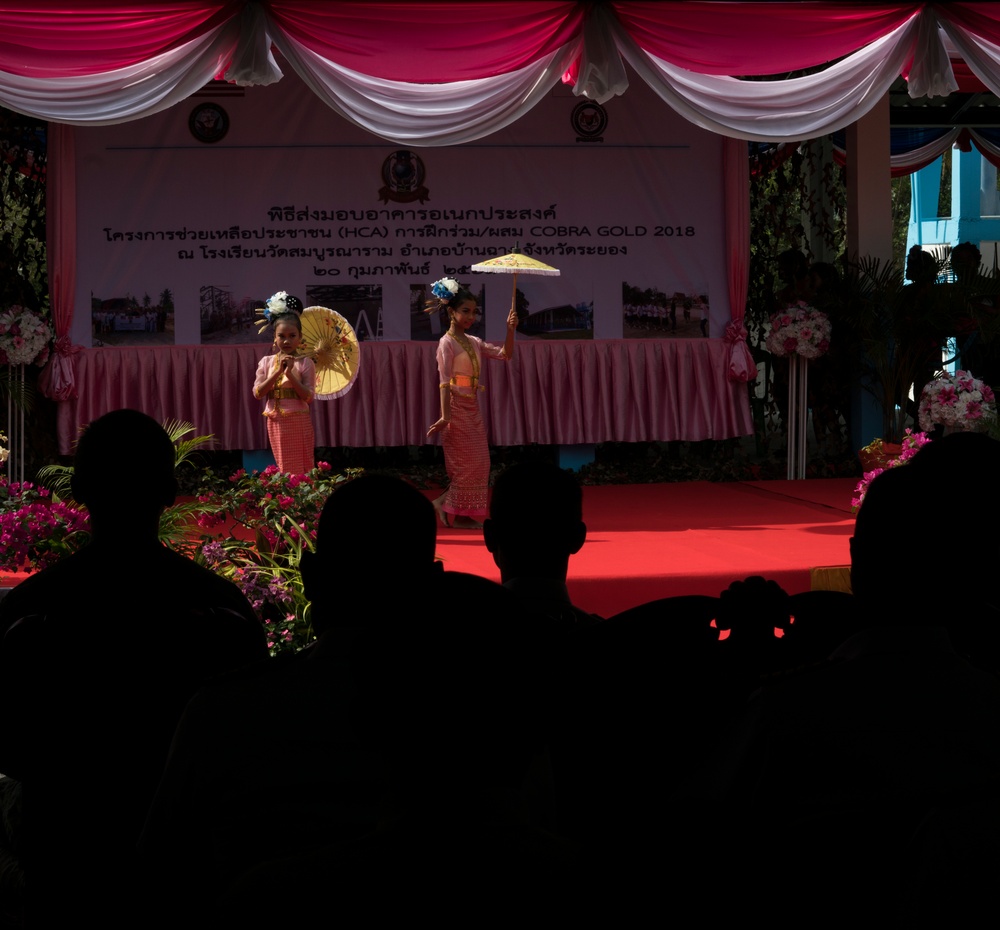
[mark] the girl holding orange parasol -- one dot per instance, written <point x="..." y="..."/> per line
<point x="288" y="381"/>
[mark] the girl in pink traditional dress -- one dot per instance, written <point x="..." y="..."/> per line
<point x="288" y="381"/>
<point x="459" y="359"/>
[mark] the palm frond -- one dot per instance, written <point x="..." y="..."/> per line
<point x="58" y="479"/>
<point x="184" y="449"/>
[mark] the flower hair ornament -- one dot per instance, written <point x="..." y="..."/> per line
<point x="444" y="290"/>
<point x="277" y="304"/>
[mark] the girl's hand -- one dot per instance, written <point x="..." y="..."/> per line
<point x="512" y="319"/>
<point x="437" y="426"/>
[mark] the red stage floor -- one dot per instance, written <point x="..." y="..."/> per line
<point x="647" y="541"/>
<point x="657" y="540"/>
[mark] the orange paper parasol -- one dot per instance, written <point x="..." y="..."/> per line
<point x="330" y="341"/>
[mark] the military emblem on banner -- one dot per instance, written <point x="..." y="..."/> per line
<point x="589" y="120"/>
<point x="403" y="178"/>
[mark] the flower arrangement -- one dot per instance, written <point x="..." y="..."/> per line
<point x="445" y="288"/>
<point x="279" y="514"/>
<point x="911" y="445"/>
<point x="25" y="337"/>
<point x="36" y="531"/>
<point x="960" y="401"/>
<point x="799" y="330"/>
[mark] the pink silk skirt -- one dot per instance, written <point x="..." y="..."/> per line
<point x="293" y="442"/>
<point x="466" y="459"/>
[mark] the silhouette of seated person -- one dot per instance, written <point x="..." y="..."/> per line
<point x="962" y="465"/>
<point x="793" y="272"/>
<point x="834" y="766"/>
<point x="978" y="346"/>
<point x="275" y="761"/>
<point x="454" y="700"/>
<point x="101" y="652"/>
<point x="535" y="525"/>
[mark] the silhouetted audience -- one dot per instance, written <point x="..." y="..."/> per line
<point x="535" y="525"/>
<point x="100" y="654"/>
<point x="454" y="747"/>
<point x="397" y="762"/>
<point x="275" y="761"/>
<point x="836" y="769"/>
<point x="455" y="706"/>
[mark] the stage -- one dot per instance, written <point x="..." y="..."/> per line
<point x="648" y="541"/>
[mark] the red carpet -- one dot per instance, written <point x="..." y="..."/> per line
<point x="647" y="541"/>
<point x="658" y="540"/>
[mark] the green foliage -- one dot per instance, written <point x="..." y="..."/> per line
<point x="22" y="222"/>
<point x="58" y="478"/>
<point x="786" y="211"/>
<point x="898" y="330"/>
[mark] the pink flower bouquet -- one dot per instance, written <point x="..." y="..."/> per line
<point x="912" y="443"/>
<point x="799" y="330"/>
<point x="960" y="401"/>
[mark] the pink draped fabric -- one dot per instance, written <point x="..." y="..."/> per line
<point x="57" y="379"/>
<point x="439" y="42"/>
<point x="736" y="178"/>
<point x="430" y="43"/>
<point x="59" y="38"/>
<point x="981" y="19"/>
<point x="756" y="38"/>
<point x="552" y="392"/>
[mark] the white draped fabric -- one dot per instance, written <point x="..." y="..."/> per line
<point x="765" y="111"/>
<point x="106" y="98"/>
<point x="587" y="40"/>
<point x="428" y="114"/>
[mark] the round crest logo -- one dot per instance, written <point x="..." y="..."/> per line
<point x="589" y="120"/>
<point x="403" y="176"/>
<point x="208" y="122"/>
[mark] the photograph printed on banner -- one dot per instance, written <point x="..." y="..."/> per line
<point x="359" y="304"/>
<point x="651" y="313"/>
<point x="227" y="319"/>
<point x="133" y="321"/>
<point x="548" y="319"/>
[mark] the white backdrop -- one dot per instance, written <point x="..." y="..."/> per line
<point x="290" y="199"/>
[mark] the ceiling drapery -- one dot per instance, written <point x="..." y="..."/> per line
<point x="433" y="73"/>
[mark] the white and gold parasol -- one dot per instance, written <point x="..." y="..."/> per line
<point x="515" y="263"/>
<point x="330" y="341"/>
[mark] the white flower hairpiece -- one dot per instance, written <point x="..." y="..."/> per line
<point x="276" y="303"/>
<point x="445" y="288"/>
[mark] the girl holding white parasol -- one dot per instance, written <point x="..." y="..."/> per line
<point x="459" y="359"/>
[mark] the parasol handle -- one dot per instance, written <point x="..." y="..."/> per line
<point x="513" y="295"/>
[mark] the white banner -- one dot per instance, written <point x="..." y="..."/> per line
<point x="181" y="238"/>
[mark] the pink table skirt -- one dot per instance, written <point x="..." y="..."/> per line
<point x="553" y="392"/>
